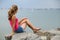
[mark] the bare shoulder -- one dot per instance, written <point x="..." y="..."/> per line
<point x="13" y="17"/>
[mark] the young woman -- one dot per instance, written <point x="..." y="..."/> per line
<point x="19" y="26"/>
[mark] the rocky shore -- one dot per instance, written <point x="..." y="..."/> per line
<point x="40" y="35"/>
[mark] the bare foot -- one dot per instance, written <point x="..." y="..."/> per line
<point x="36" y="30"/>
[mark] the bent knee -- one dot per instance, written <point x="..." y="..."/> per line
<point x="25" y="18"/>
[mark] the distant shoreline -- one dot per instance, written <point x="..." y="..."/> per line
<point x="37" y="8"/>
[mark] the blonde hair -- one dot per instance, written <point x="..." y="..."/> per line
<point x="12" y="11"/>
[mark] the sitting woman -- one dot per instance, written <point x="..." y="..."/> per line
<point x="19" y="26"/>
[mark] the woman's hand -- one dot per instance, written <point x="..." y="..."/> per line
<point x="11" y="34"/>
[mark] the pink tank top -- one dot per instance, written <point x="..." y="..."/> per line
<point x="16" y="24"/>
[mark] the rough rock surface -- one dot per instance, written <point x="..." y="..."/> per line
<point x="40" y="35"/>
<point x="57" y="37"/>
<point x="26" y="36"/>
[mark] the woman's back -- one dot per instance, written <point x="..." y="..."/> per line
<point x="16" y="24"/>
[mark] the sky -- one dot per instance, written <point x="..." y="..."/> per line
<point x="30" y="3"/>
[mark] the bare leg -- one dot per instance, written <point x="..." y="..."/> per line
<point x="24" y="25"/>
<point x="24" y="22"/>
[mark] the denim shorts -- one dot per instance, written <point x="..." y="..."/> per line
<point x="19" y="30"/>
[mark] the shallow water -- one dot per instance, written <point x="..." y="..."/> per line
<point x="46" y="19"/>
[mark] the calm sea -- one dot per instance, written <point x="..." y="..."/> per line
<point x="46" y="19"/>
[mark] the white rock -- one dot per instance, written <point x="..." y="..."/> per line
<point x="54" y="32"/>
<point x="57" y="37"/>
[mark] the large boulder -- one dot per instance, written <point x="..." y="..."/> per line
<point x="40" y="35"/>
<point x="28" y="36"/>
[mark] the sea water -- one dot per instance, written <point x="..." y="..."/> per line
<point x="46" y="19"/>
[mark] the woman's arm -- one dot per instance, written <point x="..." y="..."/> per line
<point x="13" y="24"/>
